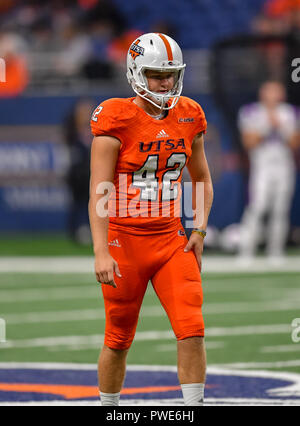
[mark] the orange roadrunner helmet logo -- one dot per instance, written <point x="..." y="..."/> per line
<point x="136" y="50"/>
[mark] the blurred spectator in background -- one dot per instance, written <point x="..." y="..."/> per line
<point x="119" y="47"/>
<point x="99" y="65"/>
<point x="13" y="51"/>
<point x="78" y="138"/>
<point x="164" y="27"/>
<point x="275" y="20"/>
<point x="278" y="17"/>
<point x="41" y="38"/>
<point x="269" y="134"/>
<point x="287" y="10"/>
<point x="67" y="38"/>
<point x="75" y="51"/>
<point x="106" y="11"/>
<point x="103" y="23"/>
<point x="6" y="5"/>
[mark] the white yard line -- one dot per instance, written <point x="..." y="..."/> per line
<point x="93" y="291"/>
<point x="281" y="349"/>
<point x="16" y="295"/>
<point x="287" y="297"/>
<point x="56" y="293"/>
<point x="214" y="264"/>
<point x="90" y="291"/>
<point x="251" y="307"/>
<point x="261" y="365"/>
<point x="251" y="330"/>
<point x="172" y="347"/>
<point x="75" y="341"/>
<point x="73" y="315"/>
<point x="148" y="312"/>
<point x="96" y="340"/>
<point x="217" y="369"/>
<point x="55" y="316"/>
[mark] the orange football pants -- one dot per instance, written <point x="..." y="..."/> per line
<point x="175" y="277"/>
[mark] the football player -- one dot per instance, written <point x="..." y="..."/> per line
<point x="140" y="148"/>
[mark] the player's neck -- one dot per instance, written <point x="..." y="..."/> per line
<point x="150" y="109"/>
<point x="271" y="106"/>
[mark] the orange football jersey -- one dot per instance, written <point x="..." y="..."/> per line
<point x="152" y="156"/>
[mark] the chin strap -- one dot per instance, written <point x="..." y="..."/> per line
<point x="150" y="98"/>
<point x="162" y="112"/>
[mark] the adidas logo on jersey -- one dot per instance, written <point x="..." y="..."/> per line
<point x="162" y="134"/>
<point x="115" y="243"/>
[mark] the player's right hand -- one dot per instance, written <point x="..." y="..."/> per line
<point x="105" y="268"/>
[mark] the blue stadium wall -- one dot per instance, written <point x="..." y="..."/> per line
<point x="33" y="205"/>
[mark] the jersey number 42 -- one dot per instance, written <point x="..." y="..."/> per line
<point x="146" y="178"/>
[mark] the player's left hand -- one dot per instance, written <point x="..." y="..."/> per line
<point x="196" y="243"/>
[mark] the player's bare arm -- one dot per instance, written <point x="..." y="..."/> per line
<point x="294" y="141"/>
<point x="199" y="172"/>
<point x="104" y="157"/>
<point x="251" y="140"/>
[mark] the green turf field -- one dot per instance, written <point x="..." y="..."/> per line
<point x="60" y="318"/>
<point x="60" y="245"/>
<point x="41" y="245"/>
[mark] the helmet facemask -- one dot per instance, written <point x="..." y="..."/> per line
<point x="160" y="100"/>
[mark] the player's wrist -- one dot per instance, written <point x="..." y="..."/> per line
<point x="200" y="231"/>
<point x="100" y="251"/>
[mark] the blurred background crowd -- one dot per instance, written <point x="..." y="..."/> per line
<point x="63" y="57"/>
<point x="54" y="42"/>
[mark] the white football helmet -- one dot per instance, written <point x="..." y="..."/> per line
<point x="157" y="52"/>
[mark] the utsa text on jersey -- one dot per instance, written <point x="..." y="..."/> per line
<point x="157" y="146"/>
